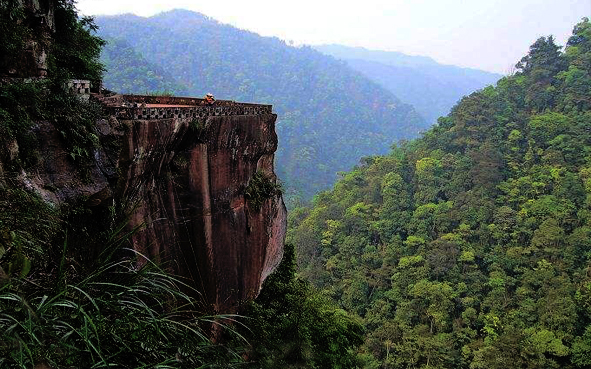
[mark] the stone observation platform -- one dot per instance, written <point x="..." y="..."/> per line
<point x="166" y="107"/>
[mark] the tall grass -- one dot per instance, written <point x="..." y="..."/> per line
<point x="119" y="316"/>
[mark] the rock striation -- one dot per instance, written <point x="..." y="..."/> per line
<point x="182" y="179"/>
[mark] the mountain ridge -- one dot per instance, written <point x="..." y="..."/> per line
<point x="329" y="114"/>
<point x="384" y="56"/>
<point x="432" y="88"/>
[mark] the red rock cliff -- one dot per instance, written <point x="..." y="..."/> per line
<point x="183" y="177"/>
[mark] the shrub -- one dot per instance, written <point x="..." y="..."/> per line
<point x="260" y="188"/>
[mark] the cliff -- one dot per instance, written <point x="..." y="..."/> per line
<point x="181" y="170"/>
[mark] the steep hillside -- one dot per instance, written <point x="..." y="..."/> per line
<point x="430" y="87"/>
<point x="471" y="247"/>
<point x="329" y="115"/>
<point x="130" y="73"/>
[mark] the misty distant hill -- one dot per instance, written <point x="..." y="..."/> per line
<point x="432" y="88"/>
<point x="329" y="114"/>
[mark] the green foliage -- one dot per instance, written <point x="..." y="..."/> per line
<point x="24" y="103"/>
<point x="469" y="247"/>
<point x="27" y="227"/>
<point x="13" y="32"/>
<point x="293" y="326"/>
<point x="21" y="104"/>
<point x="117" y="316"/>
<point x="75" y="119"/>
<point x="75" y="49"/>
<point x="260" y="188"/>
<point x="197" y="125"/>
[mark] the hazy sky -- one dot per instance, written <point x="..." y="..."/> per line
<point x="486" y="34"/>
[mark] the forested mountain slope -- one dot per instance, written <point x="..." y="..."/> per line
<point x="329" y="115"/>
<point x="131" y="73"/>
<point x="432" y="88"/>
<point x="471" y="246"/>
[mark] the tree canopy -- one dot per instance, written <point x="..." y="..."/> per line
<point x="470" y="247"/>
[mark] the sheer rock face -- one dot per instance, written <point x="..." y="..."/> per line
<point x="184" y="187"/>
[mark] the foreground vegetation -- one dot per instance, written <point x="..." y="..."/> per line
<point x="291" y="325"/>
<point x="70" y="296"/>
<point x="471" y="247"/>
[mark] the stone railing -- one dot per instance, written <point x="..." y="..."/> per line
<point x="164" y="107"/>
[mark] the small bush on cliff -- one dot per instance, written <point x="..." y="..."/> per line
<point x="260" y="188"/>
<point x="75" y="119"/>
<point x="197" y="129"/>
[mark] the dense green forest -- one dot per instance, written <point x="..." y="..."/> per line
<point x="431" y="88"/>
<point x="129" y="72"/>
<point x="328" y="115"/>
<point x="471" y="246"/>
